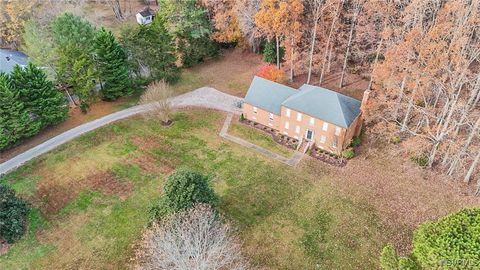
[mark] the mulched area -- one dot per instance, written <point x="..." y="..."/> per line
<point x="327" y="157"/>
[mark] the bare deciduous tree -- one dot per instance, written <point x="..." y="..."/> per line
<point x="157" y="97"/>
<point x="196" y="239"/>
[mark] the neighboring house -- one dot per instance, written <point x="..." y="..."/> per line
<point x="145" y="16"/>
<point x="328" y="119"/>
<point x="10" y="58"/>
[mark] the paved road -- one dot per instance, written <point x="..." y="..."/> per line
<point x="205" y="97"/>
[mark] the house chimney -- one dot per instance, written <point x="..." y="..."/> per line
<point x="366" y="96"/>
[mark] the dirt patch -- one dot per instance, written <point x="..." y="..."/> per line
<point x="232" y="72"/>
<point x="52" y="196"/>
<point x="149" y="164"/>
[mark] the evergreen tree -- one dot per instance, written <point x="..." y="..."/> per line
<point x="269" y="53"/>
<point x="151" y="48"/>
<point x="74" y="39"/>
<point x="14" y="119"/>
<point x="44" y="104"/>
<point x="187" y="22"/>
<point x="112" y="66"/>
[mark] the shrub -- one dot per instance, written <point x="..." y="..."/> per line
<point x="182" y="190"/>
<point x="193" y="239"/>
<point x="454" y="238"/>
<point x="348" y="153"/>
<point x="13" y="213"/>
<point x="242" y="117"/>
<point x="272" y="73"/>
<point x="388" y="258"/>
<point x="395" y="140"/>
<point x="421" y="160"/>
<point x="84" y="107"/>
<point x="356" y="141"/>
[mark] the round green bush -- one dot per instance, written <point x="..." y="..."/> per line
<point x="183" y="189"/>
<point x="348" y="153"/>
<point x="452" y="241"/>
<point x="13" y="215"/>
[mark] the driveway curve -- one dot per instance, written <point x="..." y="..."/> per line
<point x="205" y="97"/>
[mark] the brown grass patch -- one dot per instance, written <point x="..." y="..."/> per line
<point x="53" y="195"/>
<point x="149" y="164"/>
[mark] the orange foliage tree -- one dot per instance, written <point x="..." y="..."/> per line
<point x="272" y="73"/>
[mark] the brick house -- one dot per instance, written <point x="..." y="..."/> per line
<point x="326" y="118"/>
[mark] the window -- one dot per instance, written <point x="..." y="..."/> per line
<point x="323" y="139"/>
<point x="312" y="121"/>
<point x="325" y="126"/>
<point x="287" y="125"/>
<point x="288" y="112"/>
<point x="297" y="129"/>
<point x="299" y="117"/>
<point x="337" y="131"/>
<point x="286" y="133"/>
<point x="271" y="116"/>
<point x="254" y="109"/>
<point x="254" y="118"/>
<point x="334" y="143"/>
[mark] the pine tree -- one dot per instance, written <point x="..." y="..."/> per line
<point x="112" y="66"/>
<point x="13" y="117"/>
<point x="42" y="101"/>
<point x="269" y="54"/>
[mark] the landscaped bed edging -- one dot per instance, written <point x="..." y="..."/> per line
<point x="327" y="157"/>
<point x="284" y="140"/>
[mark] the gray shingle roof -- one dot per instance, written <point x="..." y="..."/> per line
<point x="315" y="101"/>
<point x="268" y="95"/>
<point x="325" y="104"/>
<point x="10" y="58"/>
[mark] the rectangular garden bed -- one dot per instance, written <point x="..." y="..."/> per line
<point x="327" y="157"/>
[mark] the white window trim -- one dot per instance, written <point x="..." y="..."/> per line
<point x="338" y="130"/>
<point x="287" y="112"/>
<point x="287" y="125"/>
<point x="270" y="116"/>
<point x="323" y="139"/>
<point x="255" y="110"/>
<point x="325" y="126"/>
<point x="297" y="129"/>
<point x="299" y="116"/>
<point x="312" y="121"/>
<point x="313" y="134"/>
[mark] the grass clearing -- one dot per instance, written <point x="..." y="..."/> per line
<point x="104" y="183"/>
<point x="259" y="138"/>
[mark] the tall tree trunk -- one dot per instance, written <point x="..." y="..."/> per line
<point x="375" y="62"/>
<point x="399" y="99"/>
<point x="292" y="52"/>
<point x="278" y="51"/>
<point x="314" y="37"/>
<point x="349" y="43"/>
<point x="409" y="108"/>
<point x="461" y="153"/>
<point x="327" y="47"/>
<point x="474" y="165"/>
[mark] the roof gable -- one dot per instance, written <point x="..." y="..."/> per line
<point x="268" y="95"/>
<point x="324" y="104"/>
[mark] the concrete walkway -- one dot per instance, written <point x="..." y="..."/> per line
<point x="292" y="161"/>
<point x="205" y="97"/>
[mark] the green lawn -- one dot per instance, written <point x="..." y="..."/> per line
<point x="258" y="137"/>
<point x="91" y="198"/>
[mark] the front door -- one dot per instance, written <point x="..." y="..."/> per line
<point x="309" y="135"/>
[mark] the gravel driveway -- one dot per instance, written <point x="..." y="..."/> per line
<point x="205" y="97"/>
